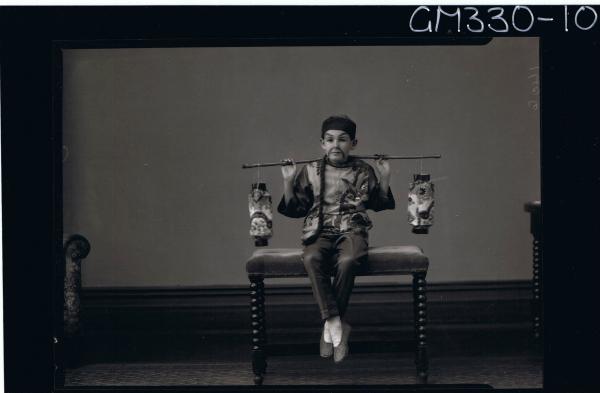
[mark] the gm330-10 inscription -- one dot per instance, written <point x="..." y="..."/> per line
<point x="516" y="19"/>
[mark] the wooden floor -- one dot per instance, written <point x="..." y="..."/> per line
<point x="522" y="370"/>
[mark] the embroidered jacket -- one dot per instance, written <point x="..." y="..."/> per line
<point x="335" y="198"/>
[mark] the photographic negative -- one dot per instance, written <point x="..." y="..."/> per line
<point x="154" y="140"/>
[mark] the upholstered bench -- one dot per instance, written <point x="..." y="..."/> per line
<point x="287" y="262"/>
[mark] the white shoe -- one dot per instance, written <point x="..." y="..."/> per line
<point x="342" y="350"/>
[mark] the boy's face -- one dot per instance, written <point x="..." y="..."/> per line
<point x="337" y="145"/>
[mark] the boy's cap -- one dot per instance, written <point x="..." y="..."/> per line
<point x="342" y="123"/>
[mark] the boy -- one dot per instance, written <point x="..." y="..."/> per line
<point x="333" y="195"/>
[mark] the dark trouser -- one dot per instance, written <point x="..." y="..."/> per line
<point x="340" y="255"/>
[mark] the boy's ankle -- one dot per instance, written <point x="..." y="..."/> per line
<point x="334" y="326"/>
<point x="326" y="334"/>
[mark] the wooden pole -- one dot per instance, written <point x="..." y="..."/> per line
<point x="368" y="157"/>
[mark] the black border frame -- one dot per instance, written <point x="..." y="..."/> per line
<point x="31" y="160"/>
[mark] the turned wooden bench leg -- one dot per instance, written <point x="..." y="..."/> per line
<point x="420" y="318"/>
<point x="537" y="289"/>
<point x="259" y="335"/>
<point x="534" y="209"/>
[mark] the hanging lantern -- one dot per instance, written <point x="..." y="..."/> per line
<point x="261" y="214"/>
<point x="420" y="204"/>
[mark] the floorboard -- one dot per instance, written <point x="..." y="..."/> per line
<point x="516" y="371"/>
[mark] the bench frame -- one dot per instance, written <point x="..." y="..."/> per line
<point x="259" y="333"/>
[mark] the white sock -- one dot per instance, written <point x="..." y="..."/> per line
<point x="334" y="326"/>
<point x="326" y="334"/>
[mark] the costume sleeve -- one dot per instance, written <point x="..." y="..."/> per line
<point x="302" y="200"/>
<point x="378" y="202"/>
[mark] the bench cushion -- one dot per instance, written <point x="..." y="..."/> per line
<point x="287" y="262"/>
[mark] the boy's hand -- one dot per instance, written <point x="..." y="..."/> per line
<point x="288" y="170"/>
<point x="383" y="167"/>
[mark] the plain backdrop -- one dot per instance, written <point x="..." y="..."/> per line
<point x="154" y="140"/>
